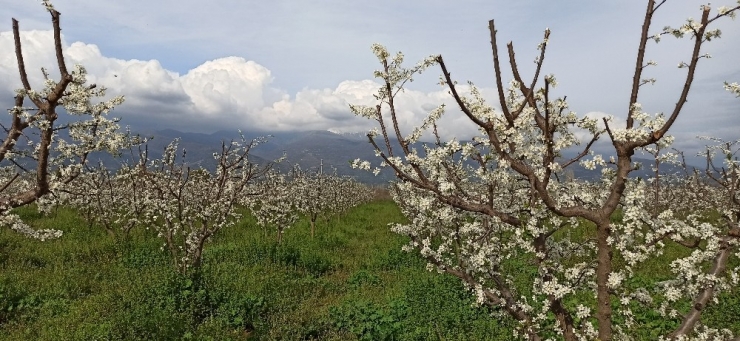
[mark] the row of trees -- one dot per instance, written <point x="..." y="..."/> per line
<point x="283" y="197"/>
<point x="480" y="208"/>
<point x="185" y="205"/>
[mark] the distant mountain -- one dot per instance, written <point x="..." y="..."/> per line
<point x="311" y="150"/>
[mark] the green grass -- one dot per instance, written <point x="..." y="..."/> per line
<point x="350" y="282"/>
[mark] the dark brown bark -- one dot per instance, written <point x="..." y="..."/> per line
<point x="603" y="294"/>
<point x="637" y="77"/>
<point x="497" y="71"/>
<point x="46" y="110"/>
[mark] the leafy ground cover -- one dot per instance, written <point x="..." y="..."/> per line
<point x="351" y="281"/>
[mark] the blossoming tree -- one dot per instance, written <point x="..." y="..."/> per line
<point x="38" y="153"/>
<point x="280" y="198"/>
<point x="112" y="199"/>
<point x="499" y="212"/>
<point x="275" y="204"/>
<point x="326" y="194"/>
<point x="188" y="206"/>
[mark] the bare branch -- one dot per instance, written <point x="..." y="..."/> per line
<point x="636" y="78"/>
<point x="497" y="70"/>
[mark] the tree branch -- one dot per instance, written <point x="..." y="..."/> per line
<point x="640" y="59"/>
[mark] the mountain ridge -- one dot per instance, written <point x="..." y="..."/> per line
<point x="312" y="150"/>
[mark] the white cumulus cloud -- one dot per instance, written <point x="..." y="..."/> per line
<point x="222" y="94"/>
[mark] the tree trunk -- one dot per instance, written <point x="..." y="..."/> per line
<point x="603" y="295"/>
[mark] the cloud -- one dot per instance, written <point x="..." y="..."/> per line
<point x="225" y="93"/>
<point x="226" y="85"/>
<point x="33" y="41"/>
<point x="230" y="93"/>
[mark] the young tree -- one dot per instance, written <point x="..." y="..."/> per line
<point x="345" y="193"/>
<point x="38" y="154"/>
<point x="325" y="194"/>
<point x="275" y="204"/>
<point x="188" y="206"/>
<point x="498" y="210"/>
<point x="311" y="194"/>
<point x="114" y="200"/>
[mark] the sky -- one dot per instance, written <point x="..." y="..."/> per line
<point x="281" y="65"/>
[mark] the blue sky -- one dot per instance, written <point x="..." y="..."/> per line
<point x="295" y="65"/>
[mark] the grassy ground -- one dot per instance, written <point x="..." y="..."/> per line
<point x="350" y="282"/>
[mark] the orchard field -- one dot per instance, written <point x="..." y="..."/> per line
<point x="489" y="236"/>
<point x="351" y="281"/>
